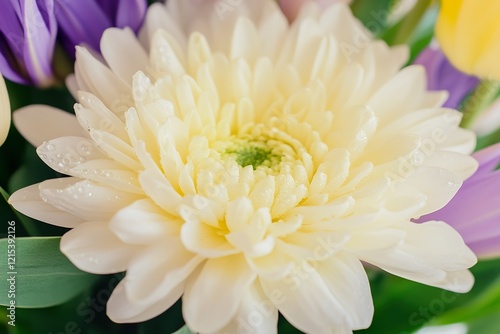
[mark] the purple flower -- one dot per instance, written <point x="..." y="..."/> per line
<point x="84" y="21"/>
<point x="475" y="210"/>
<point x="27" y="37"/>
<point x="443" y="76"/>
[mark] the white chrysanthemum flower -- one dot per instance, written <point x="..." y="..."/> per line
<point x="4" y="111"/>
<point x="249" y="167"/>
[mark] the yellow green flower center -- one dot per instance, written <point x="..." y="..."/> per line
<point x="252" y="153"/>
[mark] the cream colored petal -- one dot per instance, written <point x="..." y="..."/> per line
<point x="157" y="17"/>
<point x="463" y="166"/>
<point x="72" y="85"/>
<point x="213" y="296"/>
<point x="159" y="189"/>
<point x="310" y="305"/>
<point x="205" y="240"/>
<point x="28" y="202"/>
<point x="272" y="27"/>
<point x="410" y="83"/>
<point x="84" y="198"/>
<point x="94" y="115"/>
<point x="108" y="173"/>
<point x="257" y="313"/>
<point x="238" y="214"/>
<point x="98" y="79"/>
<point x="94" y="248"/>
<point x="438" y="185"/>
<point x="116" y="149"/>
<point x="4" y="111"/>
<point x="121" y="309"/>
<point x="245" y="40"/>
<point x="123" y="53"/>
<point x="144" y="223"/>
<point x="347" y="281"/>
<point x="64" y="153"/>
<point x="161" y="268"/>
<point x="433" y="253"/>
<point x="166" y="55"/>
<point x="40" y="123"/>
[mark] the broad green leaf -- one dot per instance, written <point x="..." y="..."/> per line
<point x="184" y="330"/>
<point x="484" y="304"/>
<point x="43" y="275"/>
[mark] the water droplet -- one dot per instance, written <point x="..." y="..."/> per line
<point x="418" y="159"/>
<point x="361" y="136"/>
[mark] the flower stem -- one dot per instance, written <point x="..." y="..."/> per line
<point x="484" y="94"/>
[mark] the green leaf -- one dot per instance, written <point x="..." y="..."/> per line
<point x="488" y="302"/>
<point x="184" y="330"/>
<point x="43" y="275"/>
<point x="373" y="14"/>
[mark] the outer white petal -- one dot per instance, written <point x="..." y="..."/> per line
<point x="123" y="53"/>
<point x="84" y="198"/>
<point x="432" y="253"/>
<point x="4" y="111"/>
<point x="64" y="153"/>
<point x="213" y="296"/>
<point x="143" y="222"/>
<point x="94" y="248"/>
<point x="40" y="123"/>
<point x="157" y="17"/>
<point x="346" y="278"/>
<point x="437" y="184"/>
<point x="257" y="314"/>
<point x="72" y="85"/>
<point x="155" y="272"/>
<point x="94" y="77"/>
<point x="121" y="310"/>
<point x="28" y="202"/>
<point x="308" y="304"/>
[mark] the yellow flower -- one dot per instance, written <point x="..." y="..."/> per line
<point x="469" y="34"/>
<point x="251" y="167"/>
<point x="4" y="111"/>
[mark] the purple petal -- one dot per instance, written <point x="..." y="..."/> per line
<point x="130" y="14"/>
<point x="475" y="211"/>
<point x="11" y="30"/>
<point x="81" y="22"/>
<point x="443" y="76"/>
<point x="27" y="38"/>
<point x="488" y="159"/>
<point x="39" y="39"/>
<point x="9" y="65"/>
